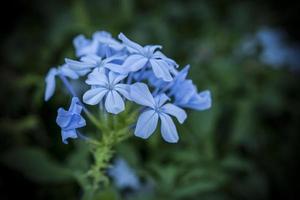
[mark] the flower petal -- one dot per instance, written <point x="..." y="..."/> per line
<point x="134" y="47"/>
<point x="78" y="66"/>
<point x="92" y="59"/>
<point x="146" y="124"/>
<point x="76" y="121"/>
<point x="66" y="71"/>
<point x="183" y="92"/>
<point x="152" y="48"/>
<point x="175" y="111"/>
<point x="117" y="57"/>
<point x="50" y="84"/>
<point x="94" y="96"/>
<point x="80" y="43"/>
<point x="63" y="118"/>
<point x="168" y="129"/>
<point x="201" y="101"/>
<point x="114" y="102"/>
<point x="124" y="89"/>
<point x="116" y="68"/>
<point x="161" y="69"/>
<point x="160" y="55"/>
<point x="139" y="93"/>
<point x="115" y="78"/>
<point x="97" y="77"/>
<point x="65" y="134"/>
<point x="135" y="62"/>
<point x="161" y="99"/>
<point x="76" y="106"/>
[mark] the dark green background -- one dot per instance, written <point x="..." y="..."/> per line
<point x="244" y="147"/>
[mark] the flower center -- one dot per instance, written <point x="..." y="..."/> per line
<point x="110" y="87"/>
<point x="157" y="109"/>
<point x="100" y="64"/>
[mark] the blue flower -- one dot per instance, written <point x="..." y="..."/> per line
<point x="102" y="45"/>
<point x="70" y="120"/>
<point x="198" y="101"/>
<point x="108" y="87"/>
<point x="89" y="62"/>
<point x="185" y="92"/>
<point x="186" y="96"/>
<point x="155" y="108"/>
<point x="141" y="57"/>
<point x="108" y="65"/>
<point x="108" y="45"/>
<point x="50" y="83"/>
<point x="84" y="46"/>
<point x="63" y="70"/>
<point x="123" y="175"/>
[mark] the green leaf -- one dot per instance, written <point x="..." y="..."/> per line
<point x="36" y="165"/>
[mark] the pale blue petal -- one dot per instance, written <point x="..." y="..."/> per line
<point x="201" y="101"/>
<point x="135" y="62"/>
<point x="77" y="65"/>
<point x="66" y="134"/>
<point x="123" y="89"/>
<point x="161" y="99"/>
<point x="152" y="48"/>
<point x="63" y="118"/>
<point x="168" y="129"/>
<point x="160" y="55"/>
<point x="139" y="93"/>
<point x="114" y="102"/>
<point x="76" y="106"/>
<point x="177" y="82"/>
<point x="94" y="96"/>
<point x="133" y="47"/>
<point x="108" y="40"/>
<point x="91" y="59"/>
<point x="153" y="80"/>
<point x="66" y="71"/>
<point x="161" y="69"/>
<point x="115" y="78"/>
<point x="175" y="111"/>
<point x="90" y="48"/>
<point x="93" y="48"/>
<point x="76" y="121"/>
<point x="181" y="76"/>
<point x="121" y="57"/>
<point x="117" y="68"/>
<point x="50" y="84"/>
<point x="80" y="42"/>
<point x="101" y="34"/>
<point x="184" y="92"/>
<point x="97" y="77"/>
<point x="104" y="50"/>
<point x="146" y="124"/>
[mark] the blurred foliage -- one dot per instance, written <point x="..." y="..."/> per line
<point x="245" y="147"/>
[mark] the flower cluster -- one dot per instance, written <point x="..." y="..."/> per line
<point x="121" y="70"/>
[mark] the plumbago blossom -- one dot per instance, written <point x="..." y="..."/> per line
<point x="120" y="71"/>
<point x="108" y="86"/>
<point x="70" y="120"/>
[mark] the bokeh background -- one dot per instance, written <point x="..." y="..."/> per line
<point x="246" y="52"/>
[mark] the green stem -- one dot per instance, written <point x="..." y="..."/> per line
<point x="93" y="120"/>
<point x="114" y="130"/>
